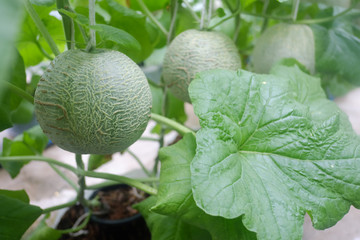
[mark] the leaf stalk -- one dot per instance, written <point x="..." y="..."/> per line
<point x="40" y="25"/>
<point x="152" y="17"/>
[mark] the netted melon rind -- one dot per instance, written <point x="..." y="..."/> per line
<point x="97" y="103"/>
<point x="284" y="41"/>
<point x="194" y="51"/>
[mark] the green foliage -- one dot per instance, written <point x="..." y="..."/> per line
<point x="152" y="5"/>
<point x="19" y="195"/>
<point x="166" y="227"/>
<point x="31" y="44"/>
<point x="107" y="33"/>
<point x="277" y="146"/>
<point x="271" y="147"/>
<point x="10" y="19"/>
<point x="17" y="216"/>
<point x="44" y="232"/>
<point x="174" y="108"/>
<point x="131" y="22"/>
<point x="11" y="101"/>
<point x="337" y="53"/>
<point x="30" y="142"/>
<point x="175" y="198"/>
<point x="96" y="161"/>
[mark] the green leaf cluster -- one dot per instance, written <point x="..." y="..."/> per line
<point x="271" y="148"/>
<point x="17" y="216"/>
<point x="30" y="142"/>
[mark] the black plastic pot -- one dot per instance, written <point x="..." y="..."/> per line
<point x="133" y="227"/>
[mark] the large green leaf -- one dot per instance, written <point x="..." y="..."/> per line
<point x="20" y="195"/>
<point x="337" y="52"/>
<point x="166" y="227"/>
<point x="175" y="196"/>
<point x="16" y="216"/>
<point x="119" y="36"/>
<point x="131" y="22"/>
<point x="271" y="148"/>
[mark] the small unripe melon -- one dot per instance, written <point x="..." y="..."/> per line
<point x="284" y="41"/>
<point x="194" y="51"/>
<point x="93" y="102"/>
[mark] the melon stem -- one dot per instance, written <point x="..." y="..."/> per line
<point x="92" y="41"/>
<point x="81" y="181"/>
<point x="181" y="129"/>
<point x="295" y="9"/>
<point x="174" y="9"/>
<point x="203" y="13"/>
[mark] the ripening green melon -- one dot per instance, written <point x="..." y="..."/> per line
<point x="284" y="41"/>
<point x="194" y="51"/>
<point x="93" y="102"/>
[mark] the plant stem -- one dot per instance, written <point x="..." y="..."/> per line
<point x="162" y="130"/>
<point x="266" y="20"/>
<point x="225" y="19"/>
<point x="22" y="93"/>
<point x="327" y="19"/>
<point x="295" y="9"/>
<point x="39" y="158"/>
<point x="42" y="50"/>
<point x="40" y="25"/>
<point x="161" y="144"/>
<point x="195" y="16"/>
<point x="57" y="207"/>
<point x="139" y="162"/>
<point x="109" y="183"/>
<point x="92" y="22"/>
<point x="78" y="228"/>
<point x="181" y="129"/>
<point x="63" y="176"/>
<point x="68" y="23"/>
<point x="203" y="13"/>
<point x="266" y="16"/>
<point x="81" y="181"/>
<point x="133" y="182"/>
<point x="209" y="12"/>
<point x="152" y="17"/>
<point x="121" y="179"/>
<point x="174" y="9"/>
<point x="148" y="139"/>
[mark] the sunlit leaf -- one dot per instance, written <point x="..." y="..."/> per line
<point x="272" y="148"/>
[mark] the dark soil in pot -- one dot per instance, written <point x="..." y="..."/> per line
<point x="120" y="222"/>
